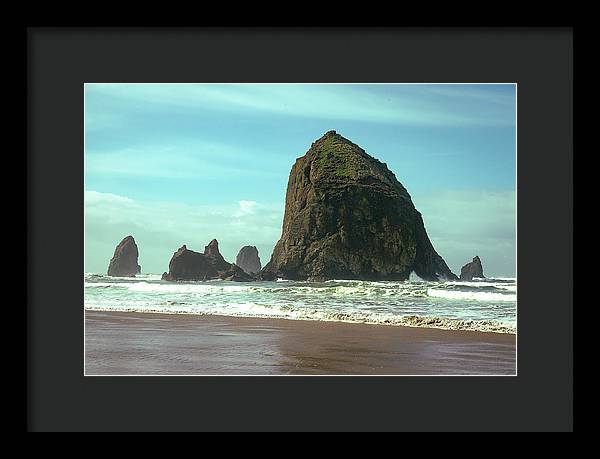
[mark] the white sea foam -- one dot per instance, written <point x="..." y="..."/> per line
<point x="248" y="309"/>
<point x="414" y="278"/>
<point x="186" y="288"/>
<point x="461" y="295"/>
<point x="486" y="305"/>
<point x="484" y="285"/>
<point x="98" y="284"/>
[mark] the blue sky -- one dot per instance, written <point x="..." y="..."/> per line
<point x="181" y="164"/>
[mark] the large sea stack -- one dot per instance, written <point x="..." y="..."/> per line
<point x="348" y="217"/>
<point x="248" y="259"/>
<point x="471" y="270"/>
<point x="124" y="262"/>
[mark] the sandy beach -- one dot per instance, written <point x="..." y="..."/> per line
<point x="121" y="343"/>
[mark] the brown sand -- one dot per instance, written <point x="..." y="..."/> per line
<point x="119" y="343"/>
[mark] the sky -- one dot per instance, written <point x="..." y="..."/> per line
<point x="175" y="164"/>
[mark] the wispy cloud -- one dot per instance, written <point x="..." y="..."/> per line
<point x="501" y="94"/>
<point x="369" y="103"/>
<point x="94" y="198"/>
<point x="206" y="161"/>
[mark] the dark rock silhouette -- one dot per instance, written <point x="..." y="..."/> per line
<point x="237" y="274"/>
<point x="212" y="252"/>
<point x="265" y="275"/>
<point x="348" y="217"/>
<point x="248" y="259"/>
<point x="124" y="262"/>
<point x="187" y="265"/>
<point x="471" y="270"/>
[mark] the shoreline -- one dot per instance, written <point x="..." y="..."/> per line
<point x="410" y="321"/>
<point x="133" y="343"/>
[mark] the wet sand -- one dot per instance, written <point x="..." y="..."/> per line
<point x="121" y="343"/>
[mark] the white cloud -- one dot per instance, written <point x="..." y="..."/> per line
<point x="246" y="207"/>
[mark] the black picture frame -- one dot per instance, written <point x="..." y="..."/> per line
<point x="60" y="60"/>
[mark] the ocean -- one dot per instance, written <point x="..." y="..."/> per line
<point x="484" y="304"/>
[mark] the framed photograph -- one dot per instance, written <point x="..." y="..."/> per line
<point x="351" y="280"/>
<point x="306" y="218"/>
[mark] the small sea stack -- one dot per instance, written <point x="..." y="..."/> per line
<point x="236" y="274"/>
<point x="124" y="262"/>
<point x="248" y="259"/>
<point x="188" y="265"/>
<point x="471" y="270"/>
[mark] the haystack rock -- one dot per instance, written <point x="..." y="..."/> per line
<point x="248" y="259"/>
<point x="348" y="217"/>
<point x="124" y="262"/>
<point x="471" y="270"/>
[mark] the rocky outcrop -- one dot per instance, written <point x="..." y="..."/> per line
<point x="265" y="275"/>
<point x="187" y="265"/>
<point x="348" y="217"/>
<point x="471" y="270"/>
<point x="236" y="274"/>
<point x="211" y="251"/>
<point x="248" y="259"/>
<point x="124" y="262"/>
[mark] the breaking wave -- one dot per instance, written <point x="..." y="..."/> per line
<point x="479" y="296"/>
<point x="485" y="305"/>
